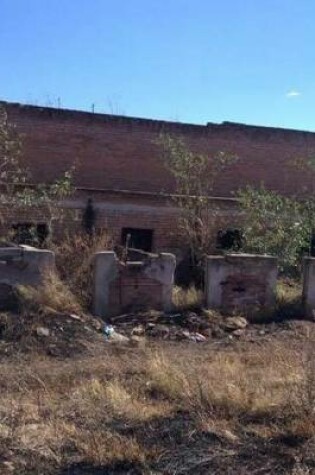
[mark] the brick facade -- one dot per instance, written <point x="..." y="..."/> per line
<point x="118" y="163"/>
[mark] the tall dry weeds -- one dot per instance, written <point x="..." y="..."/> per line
<point x="187" y="299"/>
<point x="52" y="295"/>
<point x="273" y="385"/>
<point x="74" y="260"/>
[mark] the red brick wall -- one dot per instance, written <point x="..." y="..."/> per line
<point x="120" y="152"/>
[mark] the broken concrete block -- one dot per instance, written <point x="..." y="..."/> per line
<point x="121" y="287"/>
<point x="241" y="282"/>
<point x="22" y="265"/>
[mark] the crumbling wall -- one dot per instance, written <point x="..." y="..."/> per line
<point x="22" y="265"/>
<point x="132" y="286"/>
<point x="241" y="282"/>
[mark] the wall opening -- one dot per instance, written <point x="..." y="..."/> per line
<point x="136" y="238"/>
<point x="30" y="233"/>
<point x="230" y="239"/>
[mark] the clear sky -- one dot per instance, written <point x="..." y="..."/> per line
<point x="199" y="61"/>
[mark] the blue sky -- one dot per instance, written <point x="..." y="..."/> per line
<point x="199" y="61"/>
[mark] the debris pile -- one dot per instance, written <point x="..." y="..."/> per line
<point x="192" y="326"/>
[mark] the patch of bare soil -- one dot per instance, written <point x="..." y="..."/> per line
<point x="49" y="332"/>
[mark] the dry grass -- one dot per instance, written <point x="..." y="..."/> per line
<point x="157" y="410"/>
<point x="74" y="260"/>
<point x="289" y="299"/>
<point x="232" y="385"/>
<point x="53" y="295"/>
<point x="187" y="299"/>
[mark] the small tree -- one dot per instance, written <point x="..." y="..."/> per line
<point x="277" y="225"/>
<point x="194" y="176"/>
<point x="16" y="189"/>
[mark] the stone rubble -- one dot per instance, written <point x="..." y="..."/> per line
<point x="191" y="326"/>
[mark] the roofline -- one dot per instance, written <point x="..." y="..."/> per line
<point x="56" y="111"/>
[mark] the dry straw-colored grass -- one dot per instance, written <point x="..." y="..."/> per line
<point x="186" y="299"/>
<point x="74" y="261"/>
<point x="53" y="294"/>
<point x="102" y="410"/>
<point x="272" y="383"/>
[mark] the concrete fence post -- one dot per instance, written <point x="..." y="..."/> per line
<point x="105" y="271"/>
<point x="309" y="286"/>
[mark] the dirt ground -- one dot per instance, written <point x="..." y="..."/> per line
<point x="75" y="403"/>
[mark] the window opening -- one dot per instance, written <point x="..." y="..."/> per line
<point x="137" y="238"/>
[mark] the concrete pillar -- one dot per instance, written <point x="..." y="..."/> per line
<point x="309" y="286"/>
<point x="162" y="269"/>
<point x="105" y="271"/>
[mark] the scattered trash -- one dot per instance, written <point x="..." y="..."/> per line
<point x="114" y="337"/>
<point x="108" y="330"/>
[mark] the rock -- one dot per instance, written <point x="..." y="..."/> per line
<point x="185" y="333"/>
<point x="228" y="435"/>
<point x="42" y="331"/>
<point x="238" y="332"/>
<point x="139" y="330"/>
<point x="199" y="338"/>
<point x="196" y="337"/>
<point x="115" y="337"/>
<point x="235" y="323"/>
<point x="210" y="315"/>
<point x="75" y="317"/>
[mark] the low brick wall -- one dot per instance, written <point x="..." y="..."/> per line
<point x="240" y="282"/>
<point x="132" y="286"/>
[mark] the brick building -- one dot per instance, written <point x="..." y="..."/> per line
<point x="119" y="166"/>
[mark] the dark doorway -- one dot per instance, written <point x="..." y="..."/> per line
<point x="136" y="238"/>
